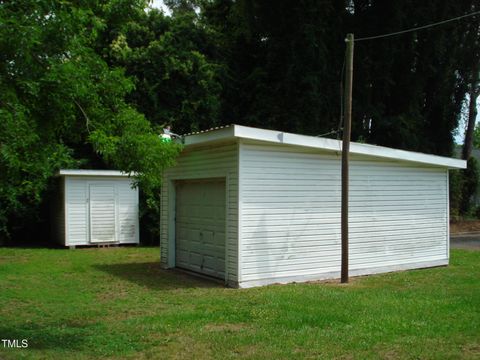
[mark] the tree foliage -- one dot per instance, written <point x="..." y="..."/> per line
<point x="282" y="60"/>
<point x="87" y="83"/>
<point x="463" y="190"/>
<point x="285" y="63"/>
<point x="410" y="88"/>
<point x="62" y="105"/>
<point x="176" y="80"/>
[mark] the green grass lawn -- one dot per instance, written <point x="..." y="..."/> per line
<point x="118" y="303"/>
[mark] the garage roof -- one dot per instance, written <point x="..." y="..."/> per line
<point x="278" y="137"/>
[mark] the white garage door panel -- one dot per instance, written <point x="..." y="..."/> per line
<point x="200" y="226"/>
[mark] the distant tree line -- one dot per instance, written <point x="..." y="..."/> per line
<point x="90" y="83"/>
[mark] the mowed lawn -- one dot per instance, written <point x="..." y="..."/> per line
<point x="118" y="303"/>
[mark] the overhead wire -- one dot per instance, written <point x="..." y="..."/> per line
<point x="328" y="133"/>
<point x="417" y="28"/>
<point x="340" y="128"/>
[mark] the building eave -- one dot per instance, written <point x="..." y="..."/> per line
<point x="325" y="144"/>
<point x="82" y="172"/>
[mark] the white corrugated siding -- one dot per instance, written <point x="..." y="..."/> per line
<point x="103" y="212"/>
<point x="127" y="212"/>
<point x="77" y="209"/>
<point x="201" y="163"/>
<point x="290" y="213"/>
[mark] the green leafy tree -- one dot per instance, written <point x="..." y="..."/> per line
<point x="469" y="186"/>
<point x="409" y="89"/>
<point x="284" y="64"/>
<point x="476" y="137"/>
<point x="62" y="105"/>
<point x="169" y="58"/>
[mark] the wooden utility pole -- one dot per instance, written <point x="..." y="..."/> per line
<point x="345" y="151"/>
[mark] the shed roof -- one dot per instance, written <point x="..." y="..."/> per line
<point x="81" y="172"/>
<point x="278" y="137"/>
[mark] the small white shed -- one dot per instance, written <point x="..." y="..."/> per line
<point x="256" y="207"/>
<point x="96" y="207"/>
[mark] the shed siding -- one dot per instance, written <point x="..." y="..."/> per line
<point x="201" y="163"/>
<point x="290" y="211"/>
<point x="77" y="209"/>
<point x="128" y="231"/>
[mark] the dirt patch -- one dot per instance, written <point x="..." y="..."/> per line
<point x="458" y="227"/>
<point x="225" y="327"/>
<point x="471" y="351"/>
<point x="352" y="281"/>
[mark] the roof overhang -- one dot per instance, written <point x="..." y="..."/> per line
<point x="79" y="172"/>
<point x="278" y="137"/>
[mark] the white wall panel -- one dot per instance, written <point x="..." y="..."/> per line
<point x="290" y="211"/>
<point x="128" y="216"/>
<point x="219" y="161"/>
<point x="77" y="208"/>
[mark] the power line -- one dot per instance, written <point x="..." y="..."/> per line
<point x="417" y="28"/>
<point x="328" y="133"/>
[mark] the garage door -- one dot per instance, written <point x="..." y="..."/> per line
<point x="200" y="226"/>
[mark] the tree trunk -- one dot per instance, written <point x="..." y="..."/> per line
<point x="472" y="116"/>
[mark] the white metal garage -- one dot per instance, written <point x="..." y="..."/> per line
<point x="96" y="207"/>
<point x="281" y="198"/>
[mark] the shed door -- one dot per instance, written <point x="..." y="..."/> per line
<point x="200" y="226"/>
<point x="102" y="213"/>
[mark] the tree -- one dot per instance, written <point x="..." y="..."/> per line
<point x="60" y="101"/>
<point x="176" y="80"/>
<point x="409" y="91"/>
<point x="284" y="62"/>
<point x="471" y="133"/>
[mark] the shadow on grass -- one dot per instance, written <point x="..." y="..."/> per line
<point x="152" y="276"/>
<point x="46" y="337"/>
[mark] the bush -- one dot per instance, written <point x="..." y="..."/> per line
<point x="463" y="190"/>
<point x="455" y="187"/>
